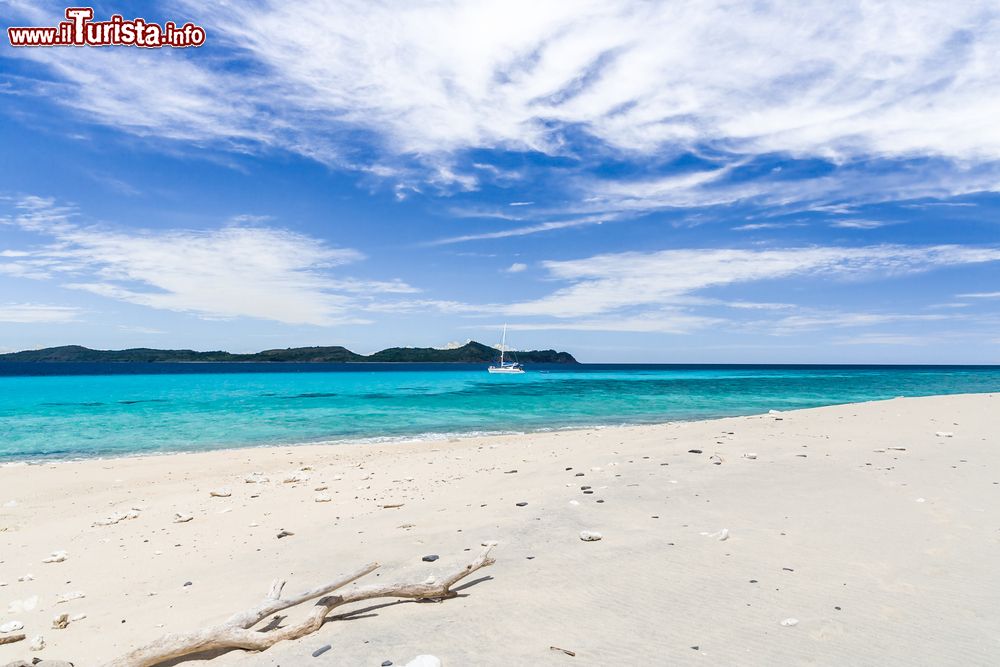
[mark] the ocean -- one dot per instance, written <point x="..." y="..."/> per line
<point x="75" y="410"/>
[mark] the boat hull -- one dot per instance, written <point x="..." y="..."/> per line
<point x="505" y="371"/>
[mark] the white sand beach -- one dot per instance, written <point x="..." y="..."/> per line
<point x="876" y="526"/>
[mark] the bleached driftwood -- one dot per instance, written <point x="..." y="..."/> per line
<point x="238" y="633"/>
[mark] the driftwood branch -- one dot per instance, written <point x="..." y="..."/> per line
<point x="237" y="632"/>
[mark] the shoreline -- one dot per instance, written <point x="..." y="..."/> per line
<point x="432" y="437"/>
<point x="858" y="520"/>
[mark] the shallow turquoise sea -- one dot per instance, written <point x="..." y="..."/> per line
<point x="82" y="410"/>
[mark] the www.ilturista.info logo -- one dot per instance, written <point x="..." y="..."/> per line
<point x="80" y="30"/>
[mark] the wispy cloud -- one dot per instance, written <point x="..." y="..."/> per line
<point x="859" y="224"/>
<point x="979" y="295"/>
<point x="516" y="267"/>
<point x="232" y="271"/>
<point x="604" y="283"/>
<point x="32" y="313"/>
<point x="846" y="83"/>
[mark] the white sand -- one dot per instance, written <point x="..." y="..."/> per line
<point x="888" y="558"/>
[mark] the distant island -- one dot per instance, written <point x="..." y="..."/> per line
<point x="470" y="353"/>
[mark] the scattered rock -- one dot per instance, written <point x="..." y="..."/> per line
<point x="323" y="498"/>
<point x="386" y="663"/>
<point x="285" y="533"/>
<point x="11" y="626"/>
<point x="521" y="504"/>
<point x="694" y="451"/>
<point x="294" y="477"/>
<point x="60" y="622"/>
<point x="77" y="617"/>
<point x="56" y="557"/>
<point x="256" y="478"/>
<point x="37" y="643"/>
<point x="117" y="517"/>
<point x="944" y="434"/>
<point x="430" y="559"/>
<point x="180" y="517"/>
<point x="66" y="597"/>
<point x="750" y="455"/>
<point x="590" y="535"/>
<point x="790" y="622"/>
<point x="221" y="493"/>
<point x="321" y="650"/>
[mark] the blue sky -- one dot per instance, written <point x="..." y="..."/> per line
<point x="669" y="182"/>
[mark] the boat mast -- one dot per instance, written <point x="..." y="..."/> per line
<point x="503" y="344"/>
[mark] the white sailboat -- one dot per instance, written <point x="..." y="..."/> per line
<point x="507" y="367"/>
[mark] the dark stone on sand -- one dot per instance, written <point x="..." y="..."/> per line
<point x="521" y="504"/>
<point x="588" y="492"/>
<point x="386" y="663"/>
<point x="579" y="474"/>
<point x="694" y="451"/>
<point x="321" y="650"/>
<point x="188" y="583"/>
<point x="431" y="558"/>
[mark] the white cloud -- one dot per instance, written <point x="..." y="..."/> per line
<point x="516" y="267"/>
<point x="980" y="295"/>
<point x="606" y="283"/>
<point x="31" y="313"/>
<point x="873" y="338"/>
<point x="425" y="81"/>
<point x="858" y="224"/>
<point x="232" y="271"/>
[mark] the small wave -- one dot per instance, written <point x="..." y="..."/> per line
<point x="312" y="394"/>
<point x="85" y="405"/>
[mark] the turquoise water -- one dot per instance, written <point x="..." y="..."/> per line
<point x="80" y="410"/>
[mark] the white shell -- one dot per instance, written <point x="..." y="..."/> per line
<point x="224" y="492"/>
<point x="11" y="626"/>
<point x="590" y="535"/>
<point x="322" y="498"/>
<point x="424" y="661"/>
<point x="56" y="557"/>
<point x="789" y="622"/>
<point x="66" y="597"/>
<point x="37" y="643"/>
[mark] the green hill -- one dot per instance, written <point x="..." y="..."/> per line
<point x="471" y="352"/>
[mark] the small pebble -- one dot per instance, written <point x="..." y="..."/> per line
<point x="590" y="535"/>
<point x="521" y="504"/>
<point x="694" y="451"/>
<point x="386" y="663"/>
<point x="321" y="650"/>
<point x="430" y="559"/>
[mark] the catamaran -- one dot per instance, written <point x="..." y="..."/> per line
<point x="505" y="366"/>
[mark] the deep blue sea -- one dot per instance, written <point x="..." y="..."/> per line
<point x="72" y="410"/>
